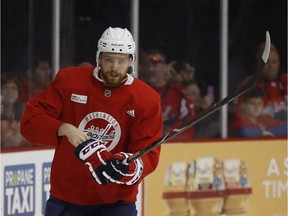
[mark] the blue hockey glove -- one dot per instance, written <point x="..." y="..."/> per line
<point x="119" y="171"/>
<point x="95" y="155"/>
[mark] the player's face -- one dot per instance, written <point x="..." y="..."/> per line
<point x="271" y="69"/>
<point x="114" y="67"/>
<point x="253" y="106"/>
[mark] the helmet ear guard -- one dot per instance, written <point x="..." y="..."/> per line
<point x="116" y="40"/>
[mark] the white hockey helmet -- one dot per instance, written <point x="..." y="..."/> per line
<point x="116" y="40"/>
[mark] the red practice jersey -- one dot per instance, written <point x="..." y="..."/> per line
<point x="127" y="118"/>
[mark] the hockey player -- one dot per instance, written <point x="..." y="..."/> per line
<point x="95" y="117"/>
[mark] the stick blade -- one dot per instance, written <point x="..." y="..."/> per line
<point x="266" y="52"/>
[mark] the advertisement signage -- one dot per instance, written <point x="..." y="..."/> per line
<point x="239" y="178"/>
<point x="19" y="190"/>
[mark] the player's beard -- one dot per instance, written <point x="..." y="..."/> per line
<point x="112" y="79"/>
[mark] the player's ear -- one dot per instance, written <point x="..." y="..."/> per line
<point x="130" y="60"/>
<point x="100" y="58"/>
<point x="130" y="70"/>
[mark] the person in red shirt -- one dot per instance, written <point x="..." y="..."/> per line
<point x="251" y="122"/>
<point x="273" y="84"/>
<point x="177" y="106"/>
<point x="208" y="127"/>
<point x="95" y="117"/>
<point x="38" y="78"/>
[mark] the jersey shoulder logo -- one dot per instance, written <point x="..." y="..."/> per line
<point x="131" y="113"/>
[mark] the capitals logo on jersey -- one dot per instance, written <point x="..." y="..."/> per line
<point x="101" y="126"/>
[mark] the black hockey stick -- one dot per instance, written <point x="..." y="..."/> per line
<point x="211" y="109"/>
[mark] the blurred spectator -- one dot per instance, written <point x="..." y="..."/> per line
<point x="85" y="63"/>
<point x="273" y="84"/>
<point x="182" y="72"/>
<point x="194" y="91"/>
<point x="36" y="81"/>
<point x="177" y="106"/>
<point x="210" y="126"/>
<point x="11" y="112"/>
<point x="251" y="122"/>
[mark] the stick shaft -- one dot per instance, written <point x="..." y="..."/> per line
<point x="211" y="109"/>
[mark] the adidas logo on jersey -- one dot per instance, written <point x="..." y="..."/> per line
<point x="131" y="113"/>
